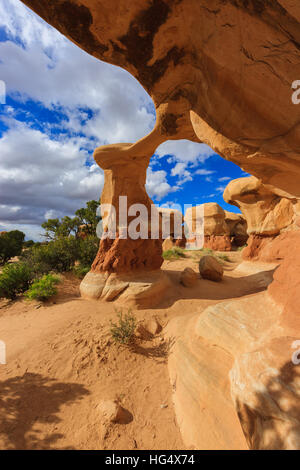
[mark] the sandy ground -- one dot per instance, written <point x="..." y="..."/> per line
<point x="61" y="362"/>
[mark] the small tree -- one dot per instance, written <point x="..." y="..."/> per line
<point x="86" y="216"/>
<point x="11" y="244"/>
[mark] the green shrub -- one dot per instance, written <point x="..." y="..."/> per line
<point x="80" y="271"/>
<point x="15" y="279"/>
<point x="207" y="251"/>
<point x="87" y="250"/>
<point x="58" y="256"/>
<point x="175" y="253"/>
<point x="11" y="244"/>
<point x="223" y="257"/>
<point x="123" y="331"/>
<point x="240" y="248"/>
<point x="44" y="288"/>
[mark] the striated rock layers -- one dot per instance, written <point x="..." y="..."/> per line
<point x="237" y="227"/>
<point x="235" y="384"/>
<point x="127" y="252"/>
<point x="266" y="211"/>
<point x="209" y="220"/>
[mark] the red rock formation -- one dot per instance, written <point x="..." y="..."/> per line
<point x="125" y="175"/>
<point x="120" y="268"/>
<point x="238" y="228"/>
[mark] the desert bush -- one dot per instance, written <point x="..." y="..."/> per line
<point x="240" y="248"/>
<point x="87" y="250"/>
<point x="58" y="256"/>
<point x="175" y="253"/>
<point x="11" y="244"/>
<point x="80" y="271"/>
<point x="44" y="288"/>
<point x="223" y="257"/>
<point x="15" y="279"/>
<point x="123" y="331"/>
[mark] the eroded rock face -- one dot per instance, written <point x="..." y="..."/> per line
<point x="141" y="289"/>
<point x="125" y="175"/>
<point x="238" y="228"/>
<point x="209" y="220"/>
<point x="266" y="211"/>
<point x="121" y="252"/>
<point x="219" y="72"/>
<point x="234" y="361"/>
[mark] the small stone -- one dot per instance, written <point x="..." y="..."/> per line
<point x="167" y="244"/>
<point x="188" y="277"/>
<point x="164" y="405"/>
<point x="112" y="411"/>
<point x="148" y="329"/>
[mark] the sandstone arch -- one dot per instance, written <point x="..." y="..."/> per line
<point x="219" y="72"/>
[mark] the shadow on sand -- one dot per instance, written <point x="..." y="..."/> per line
<point x="31" y="399"/>
<point x="229" y="288"/>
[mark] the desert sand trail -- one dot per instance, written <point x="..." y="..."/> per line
<point x="61" y="362"/>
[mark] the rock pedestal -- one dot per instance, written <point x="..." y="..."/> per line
<point x="129" y="257"/>
<point x="266" y="209"/>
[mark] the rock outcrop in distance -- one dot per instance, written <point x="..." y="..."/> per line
<point x="172" y="228"/>
<point x="222" y="230"/>
<point x="266" y="211"/>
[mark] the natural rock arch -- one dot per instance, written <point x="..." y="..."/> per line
<point x="219" y="72"/>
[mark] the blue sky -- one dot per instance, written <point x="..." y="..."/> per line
<point x="61" y="103"/>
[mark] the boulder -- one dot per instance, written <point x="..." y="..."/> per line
<point x="188" y="277"/>
<point x="168" y="244"/>
<point x="210" y="268"/>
